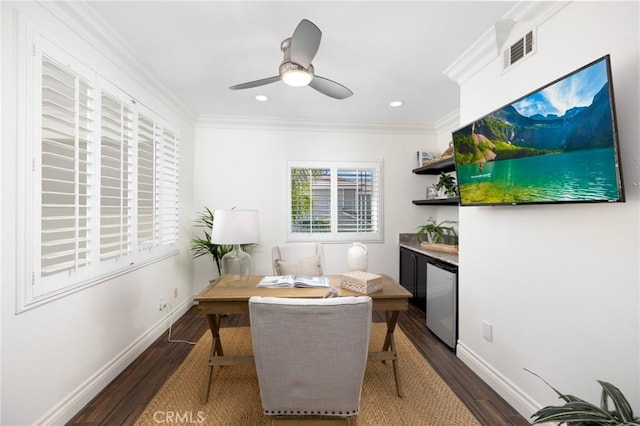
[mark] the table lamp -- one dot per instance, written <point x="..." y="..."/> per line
<point x="235" y="227"/>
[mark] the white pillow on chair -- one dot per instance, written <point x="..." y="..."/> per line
<point x="310" y="266"/>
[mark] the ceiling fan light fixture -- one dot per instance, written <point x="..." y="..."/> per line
<point x="296" y="78"/>
<point x="295" y="75"/>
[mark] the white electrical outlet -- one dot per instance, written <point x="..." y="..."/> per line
<point x="487" y="331"/>
<point x="163" y="304"/>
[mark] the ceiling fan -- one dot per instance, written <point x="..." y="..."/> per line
<point x="296" y="69"/>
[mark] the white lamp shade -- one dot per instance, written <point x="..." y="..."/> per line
<point x="235" y="227"/>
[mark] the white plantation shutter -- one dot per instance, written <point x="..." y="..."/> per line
<point x="116" y="179"/>
<point x="66" y="165"/>
<point x="358" y="201"/>
<point x="169" y="213"/>
<point x="335" y="201"/>
<point x="147" y="229"/>
<point x="310" y="200"/>
<point x="100" y="176"/>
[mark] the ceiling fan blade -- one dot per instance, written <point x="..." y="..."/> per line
<point x="330" y="88"/>
<point x="305" y="43"/>
<point x="256" y="83"/>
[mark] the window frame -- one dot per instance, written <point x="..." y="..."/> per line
<point x="334" y="235"/>
<point x="33" y="287"/>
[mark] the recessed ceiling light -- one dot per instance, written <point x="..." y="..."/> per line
<point x="261" y="98"/>
<point x="396" y="104"/>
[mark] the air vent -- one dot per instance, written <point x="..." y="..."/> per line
<point x="519" y="50"/>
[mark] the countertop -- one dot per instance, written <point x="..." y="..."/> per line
<point x="410" y="241"/>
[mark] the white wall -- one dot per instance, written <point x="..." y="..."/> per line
<point x="559" y="283"/>
<point x="57" y="356"/>
<point x="246" y="167"/>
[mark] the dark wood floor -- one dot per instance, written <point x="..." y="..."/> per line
<point x="124" y="399"/>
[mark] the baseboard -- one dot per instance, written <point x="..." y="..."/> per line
<point x="62" y="412"/>
<point x="516" y="397"/>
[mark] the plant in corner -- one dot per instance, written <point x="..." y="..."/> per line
<point x="436" y="232"/>
<point x="448" y="184"/>
<point x="578" y="412"/>
<point x="203" y="246"/>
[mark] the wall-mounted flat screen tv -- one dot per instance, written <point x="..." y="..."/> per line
<point x="558" y="144"/>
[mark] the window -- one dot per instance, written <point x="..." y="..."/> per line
<point x="101" y="180"/>
<point x="336" y="201"/>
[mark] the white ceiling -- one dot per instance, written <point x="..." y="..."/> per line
<point x="382" y="51"/>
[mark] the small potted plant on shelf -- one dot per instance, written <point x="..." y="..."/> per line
<point x="438" y="233"/>
<point x="446" y="186"/>
<point x="578" y="412"/>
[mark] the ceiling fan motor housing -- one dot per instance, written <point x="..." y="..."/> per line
<point x="292" y="66"/>
<point x="290" y="72"/>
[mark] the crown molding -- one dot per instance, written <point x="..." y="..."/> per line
<point x="449" y="122"/>
<point x="488" y="47"/>
<point x="253" y="123"/>
<point x="87" y="24"/>
<point x="535" y="12"/>
<point x="472" y="60"/>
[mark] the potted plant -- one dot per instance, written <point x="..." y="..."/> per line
<point x="578" y="412"/>
<point x="446" y="185"/>
<point x="438" y="233"/>
<point x="203" y="246"/>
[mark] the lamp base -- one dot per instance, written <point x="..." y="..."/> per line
<point x="236" y="263"/>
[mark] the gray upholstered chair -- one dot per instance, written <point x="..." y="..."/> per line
<point x="298" y="259"/>
<point x="310" y="354"/>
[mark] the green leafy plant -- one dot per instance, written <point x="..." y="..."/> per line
<point x="448" y="183"/>
<point x="578" y="412"/>
<point x="437" y="232"/>
<point x="204" y="246"/>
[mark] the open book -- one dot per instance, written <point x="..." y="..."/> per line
<point x="279" y="281"/>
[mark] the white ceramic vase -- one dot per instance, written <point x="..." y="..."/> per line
<point x="357" y="257"/>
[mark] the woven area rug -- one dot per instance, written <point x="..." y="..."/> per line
<point x="234" y="398"/>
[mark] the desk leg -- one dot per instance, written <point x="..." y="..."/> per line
<point x="390" y="345"/>
<point x="216" y="350"/>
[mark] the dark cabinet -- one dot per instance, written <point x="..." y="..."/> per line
<point x="413" y="276"/>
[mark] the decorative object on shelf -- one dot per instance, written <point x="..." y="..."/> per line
<point x="432" y="192"/>
<point x="424" y="157"/>
<point x="361" y="282"/>
<point x="236" y="227"/>
<point x="204" y="246"/>
<point x="446" y="186"/>
<point x="577" y="411"/>
<point x="448" y="153"/>
<point x="438" y="233"/>
<point x="357" y="257"/>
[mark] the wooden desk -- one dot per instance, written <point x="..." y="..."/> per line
<point x="226" y="296"/>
